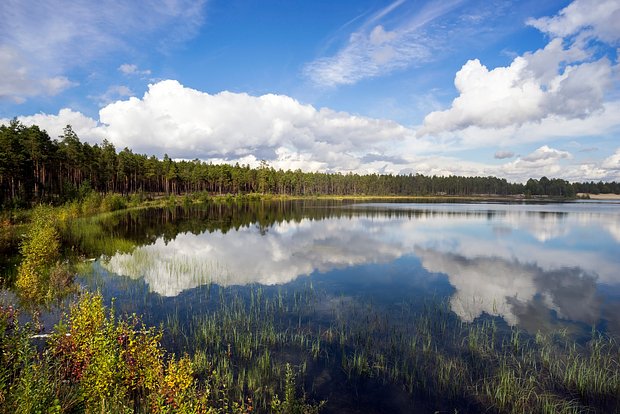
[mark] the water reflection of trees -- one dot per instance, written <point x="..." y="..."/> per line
<point x="142" y="227"/>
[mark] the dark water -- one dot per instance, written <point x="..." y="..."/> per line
<point x="536" y="267"/>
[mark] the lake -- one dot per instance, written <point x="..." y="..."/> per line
<point x="380" y="307"/>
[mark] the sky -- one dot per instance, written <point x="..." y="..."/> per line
<point x="514" y="89"/>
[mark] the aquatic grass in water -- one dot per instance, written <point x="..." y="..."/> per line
<point x="250" y="335"/>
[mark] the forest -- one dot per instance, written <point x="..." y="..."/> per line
<point x="36" y="168"/>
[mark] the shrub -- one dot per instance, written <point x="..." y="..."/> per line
<point x="115" y="363"/>
<point x="202" y="197"/>
<point x="40" y="250"/>
<point x="91" y="203"/>
<point x="113" y="202"/>
<point x="136" y="199"/>
<point x="171" y="201"/>
<point x="26" y="380"/>
<point x="94" y="362"/>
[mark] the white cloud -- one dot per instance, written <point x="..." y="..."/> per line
<point x="113" y="93"/>
<point x="568" y="79"/>
<point x="18" y="83"/>
<point x="598" y="17"/>
<point x="131" y="69"/>
<point x="613" y="161"/>
<point x="374" y="50"/>
<point x="544" y="161"/>
<point x="514" y="95"/>
<point x="545" y="153"/>
<point x="85" y="127"/>
<point x="553" y="127"/>
<point x="41" y="41"/>
<point x="187" y="123"/>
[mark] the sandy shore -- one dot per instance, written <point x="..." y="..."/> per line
<point x="600" y="196"/>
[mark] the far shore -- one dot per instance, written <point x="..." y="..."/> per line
<point x="599" y="196"/>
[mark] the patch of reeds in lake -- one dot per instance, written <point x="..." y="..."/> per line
<point x="398" y="356"/>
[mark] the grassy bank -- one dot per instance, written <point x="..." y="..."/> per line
<point x="94" y="203"/>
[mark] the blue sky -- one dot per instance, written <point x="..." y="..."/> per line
<point x="515" y="89"/>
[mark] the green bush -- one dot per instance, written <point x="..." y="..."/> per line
<point x="41" y="276"/>
<point x="113" y="202"/>
<point x="119" y="364"/>
<point x="40" y="250"/>
<point x="203" y="197"/>
<point x="91" y="203"/>
<point x="171" y="201"/>
<point x="137" y="198"/>
<point x="26" y="378"/>
<point x="95" y="362"/>
<point x="292" y="404"/>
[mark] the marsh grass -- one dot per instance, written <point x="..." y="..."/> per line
<point x="249" y="337"/>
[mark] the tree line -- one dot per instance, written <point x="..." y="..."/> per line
<point x="35" y="167"/>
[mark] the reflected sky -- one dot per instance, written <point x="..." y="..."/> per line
<point x="512" y="261"/>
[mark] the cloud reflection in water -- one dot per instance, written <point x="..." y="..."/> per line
<point x="501" y="262"/>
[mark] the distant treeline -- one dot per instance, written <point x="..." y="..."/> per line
<point x="34" y="167"/>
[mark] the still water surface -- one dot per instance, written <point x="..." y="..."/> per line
<point x="531" y="265"/>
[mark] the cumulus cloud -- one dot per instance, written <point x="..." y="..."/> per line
<point x="514" y="95"/>
<point x="545" y="153"/>
<point x="375" y="50"/>
<point x="113" y="93"/>
<point x="567" y="78"/>
<point x="544" y="161"/>
<point x="551" y="128"/>
<point x="85" y="127"/>
<point x="40" y="43"/>
<point x="186" y="123"/>
<point x="613" y="161"/>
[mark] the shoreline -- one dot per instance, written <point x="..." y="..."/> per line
<point x="599" y="196"/>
